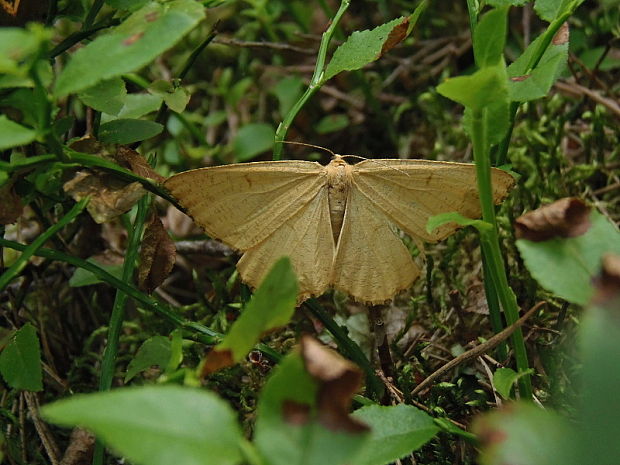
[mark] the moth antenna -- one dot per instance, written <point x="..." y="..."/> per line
<point x="307" y="145"/>
<point x="374" y="160"/>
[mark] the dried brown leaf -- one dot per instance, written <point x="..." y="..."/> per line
<point x="568" y="217"/>
<point x="157" y="256"/>
<point x="295" y="413"/>
<point x="109" y="196"/>
<point x="396" y="36"/>
<point x="136" y="163"/>
<point x="80" y="448"/>
<point x="216" y="360"/>
<point x="11" y="206"/>
<point x="338" y="380"/>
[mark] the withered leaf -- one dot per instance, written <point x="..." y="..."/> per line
<point x="80" y="448"/>
<point x="136" y="163"/>
<point x="157" y="256"/>
<point x="109" y="196"/>
<point x="338" y="380"/>
<point x="567" y="217"/>
<point x="216" y="360"/>
<point x="11" y="206"/>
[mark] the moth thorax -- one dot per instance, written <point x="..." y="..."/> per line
<point x="338" y="184"/>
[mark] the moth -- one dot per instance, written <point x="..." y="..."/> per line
<point x="340" y="224"/>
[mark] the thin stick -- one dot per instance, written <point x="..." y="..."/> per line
<point x="478" y="350"/>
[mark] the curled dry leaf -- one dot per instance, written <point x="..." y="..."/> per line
<point x="568" y="217"/>
<point x="157" y="256"/>
<point x="11" y="206"/>
<point x="338" y="380"/>
<point x="136" y="163"/>
<point x="109" y="196"/>
<point x="80" y="448"/>
<point x="607" y="284"/>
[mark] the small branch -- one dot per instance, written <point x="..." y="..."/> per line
<point x="269" y="45"/>
<point x="478" y="350"/>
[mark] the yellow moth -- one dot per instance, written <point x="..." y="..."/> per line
<point x="337" y="223"/>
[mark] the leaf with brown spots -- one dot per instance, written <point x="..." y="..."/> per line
<point x="607" y="284"/>
<point x="157" y="256"/>
<point x="568" y="217"/>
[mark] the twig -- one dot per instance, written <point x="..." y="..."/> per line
<point x="271" y="45"/>
<point x="578" y="90"/>
<point x="478" y="350"/>
<point x="50" y="446"/>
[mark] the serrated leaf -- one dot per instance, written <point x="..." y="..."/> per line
<point x="106" y="96"/>
<point x="579" y="258"/>
<point x="127" y="131"/>
<point x="363" y="47"/>
<point x="13" y="134"/>
<point x="525" y="84"/>
<point x="271" y="306"/>
<point x="156" y="425"/>
<point x="396" y="431"/>
<point x="142" y="37"/>
<point x="155" y="351"/>
<point x="20" y="361"/>
<point x="490" y="37"/>
<point x="551" y="9"/>
<point x="485" y="87"/>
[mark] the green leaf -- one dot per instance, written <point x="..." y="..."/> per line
<point x="20" y="361"/>
<point x="271" y="306"/>
<point x="332" y="123"/>
<point x="501" y="3"/>
<point x="13" y="134"/>
<point x="485" y="87"/>
<point x="143" y="36"/>
<point x="490" y="37"/>
<point x="19" y="44"/>
<point x="453" y="217"/>
<point x="252" y="140"/>
<point x="126" y="131"/>
<point x="176" y="98"/>
<point x="283" y="442"/>
<point x="575" y="261"/>
<point x="495" y="118"/>
<point x="598" y="416"/>
<point x="155" y="351"/>
<point x="551" y="9"/>
<point x="396" y="431"/>
<point x="138" y="105"/>
<point x="525" y="84"/>
<point x="106" y="96"/>
<point x="363" y="47"/>
<point x="503" y="380"/>
<point x="130" y="5"/>
<point x="156" y="425"/>
<point x="82" y="277"/>
<point x="525" y="435"/>
<point x="287" y="91"/>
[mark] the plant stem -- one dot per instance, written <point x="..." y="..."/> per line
<point x="349" y="348"/>
<point x="108" y="362"/>
<point x="30" y="250"/>
<point x="208" y="335"/>
<point x="315" y="82"/>
<point x="92" y="14"/>
<point x="491" y="249"/>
